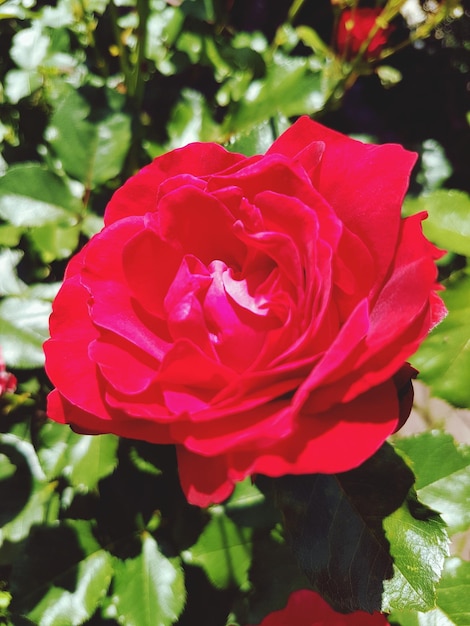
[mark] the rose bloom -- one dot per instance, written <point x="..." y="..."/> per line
<point x="307" y="608"/>
<point x="353" y="29"/>
<point x="7" y="380"/>
<point x="255" y="311"/>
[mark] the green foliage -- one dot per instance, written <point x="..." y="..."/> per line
<point x="447" y="223"/>
<point x="149" y="590"/>
<point x="451" y="603"/>
<point x="442" y="472"/>
<point x="95" y="529"/>
<point x="444" y="358"/>
<point x="223" y="550"/>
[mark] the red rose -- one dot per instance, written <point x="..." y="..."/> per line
<point x="256" y="312"/>
<point x="307" y="608"/>
<point x="354" y="28"/>
<point x="7" y="380"/>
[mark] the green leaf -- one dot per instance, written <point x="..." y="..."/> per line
<point x="447" y="224"/>
<point x="443" y="360"/>
<point x="24" y="326"/>
<point x="442" y="472"/>
<point x="21" y="83"/>
<point x="24" y="492"/>
<point x="89" y="459"/>
<point x="90" y="143"/>
<point x="452" y="608"/>
<point x="223" y="550"/>
<point x="32" y="196"/>
<point x="258" y="139"/>
<point x="55" y="241"/>
<point x="10" y="284"/>
<point x="419" y="544"/>
<point x="334" y="525"/>
<point x="149" y="589"/>
<point x="83" y="459"/>
<point x="29" y="47"/>
<point x="291" y="87"/>
<point x="61" y="575"/>
<point x="191" y="121"/>
<point x="60" y="606"/>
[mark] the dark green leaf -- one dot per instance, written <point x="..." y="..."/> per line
<point x="149" y="589"/>
<point x="223" y="550"/>
<point x="443" y="360"/>
<point x="334" y="524"/>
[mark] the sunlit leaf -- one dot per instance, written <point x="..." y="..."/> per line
<point x="90" y="458"/>
<point x="61" y="606"/>
<point x="452" y="607"/>
<point x="442" y="470"/>
<point x="64" y="574"/>
<point x="31" y="196"/>
<point x="149" y="589"/>
<point x="24" y="326"/>
<point x="91" y="149"/>
<point x="447" y="224"/>
<point x="24" y="492"/>
<point x="443" y="360"/>
<point x="223" y="550"/>
<point x="291" y="87"/>
<point x="419" y="544"/>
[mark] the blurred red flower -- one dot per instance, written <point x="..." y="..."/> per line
<point x="307" y="608"/>
<point x="354" y="28"/>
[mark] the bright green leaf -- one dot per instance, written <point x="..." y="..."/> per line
<point x="419" y="545"/>
<point x="149" y="589"/>
<point x="223" y="550"/>
<point x="442" y="472"/>
<point x="24" y="491"/>
<point x="90" y="458"/>
<point x="443" y="360"/>
<point x="10" y="284"/>
<point x="55" y="241"/>
<point x="452" y="606"/>
<point x="60" y="606"/>
<point x="291" y="87"/>
<point x="259" y="138"/>
<point x="9" y="235"/>
<point x="24" y="326"/>
<point x="33" y="196"/>
<point x="448" y="223"/>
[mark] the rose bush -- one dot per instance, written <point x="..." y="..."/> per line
<point x="355" y="27"/>
<point x="255" y="311"/>
<point x="307" y="608"/>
